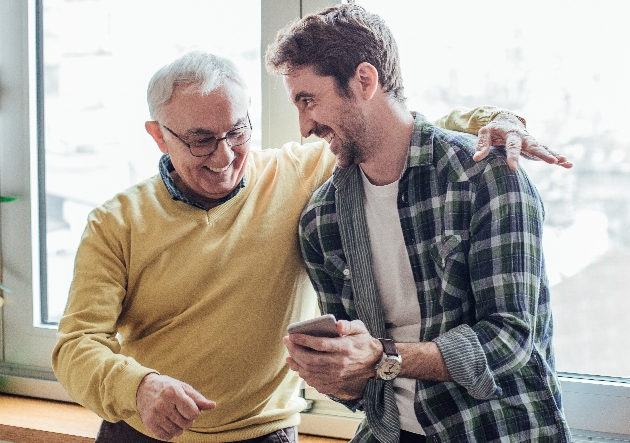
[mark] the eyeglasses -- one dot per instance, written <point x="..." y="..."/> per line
<point x="205" y="146"/>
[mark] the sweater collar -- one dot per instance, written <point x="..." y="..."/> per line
<point x="166" y="167"/>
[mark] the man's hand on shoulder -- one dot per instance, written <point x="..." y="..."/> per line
<point x="168" y="406"/>
<point x="338" y="366"/>
<point x="507" y="130"/>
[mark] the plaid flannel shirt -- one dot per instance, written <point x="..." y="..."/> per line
<point x="473" y="234"/>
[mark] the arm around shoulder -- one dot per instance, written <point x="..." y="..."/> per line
<point x="468" y="120"/>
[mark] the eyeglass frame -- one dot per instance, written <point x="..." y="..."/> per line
<point x="217" y="140"/>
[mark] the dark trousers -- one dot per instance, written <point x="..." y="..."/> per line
<point x="410" y="437"/>
<point x="121" y="432"/>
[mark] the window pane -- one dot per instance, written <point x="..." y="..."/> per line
<point x="98" y="58"/>
<point x="561" y="65"/>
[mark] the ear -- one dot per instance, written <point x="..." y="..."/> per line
<point x="153" y="128"/>
<point x="367" y="75"/>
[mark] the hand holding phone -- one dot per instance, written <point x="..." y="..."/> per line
<point x="324" y="326"/>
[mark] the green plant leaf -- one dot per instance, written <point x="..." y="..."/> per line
<point x="8" y="199"/>
<point x="5" y="289"/>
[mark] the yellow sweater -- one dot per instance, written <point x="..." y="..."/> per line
<point x="163" y="274"/>
<point x="201" y="296"/>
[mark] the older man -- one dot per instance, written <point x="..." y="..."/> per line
<point x="184" y="283"/>
<point x="432" y="262"/>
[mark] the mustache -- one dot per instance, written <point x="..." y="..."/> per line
<point x="322" y="131"/>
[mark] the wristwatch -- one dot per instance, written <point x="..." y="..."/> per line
<point x="391" y="362"/>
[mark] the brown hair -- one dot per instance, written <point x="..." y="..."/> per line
<point x="334" y="42"/>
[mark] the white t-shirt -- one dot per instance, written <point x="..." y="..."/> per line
<point x="395" y="283"/>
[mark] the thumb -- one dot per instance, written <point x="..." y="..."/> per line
<point x="354" y="327"/>
<point x="202" y="402"/>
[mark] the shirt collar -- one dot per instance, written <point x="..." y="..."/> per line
<point x="166" y="167"/>
<point x="420" y="151"/>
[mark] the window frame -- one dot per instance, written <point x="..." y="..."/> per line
<point x="595" y="407"/>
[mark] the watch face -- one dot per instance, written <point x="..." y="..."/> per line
<point x="390" y="368"/>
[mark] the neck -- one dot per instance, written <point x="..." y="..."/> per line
<point x="394" y="125"/>
<point x="207" y="203"/>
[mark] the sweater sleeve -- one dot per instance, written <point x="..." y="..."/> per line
<point x="86" y="359"/>
<point x="471" y="120"/>
<point x="314" y="163"/>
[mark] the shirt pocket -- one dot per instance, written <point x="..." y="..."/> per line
<point x="452" y="270"/>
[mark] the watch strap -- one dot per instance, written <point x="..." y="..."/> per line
<point x="389" y="347"/>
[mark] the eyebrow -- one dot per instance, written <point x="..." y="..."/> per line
<point x="203" y="131"/>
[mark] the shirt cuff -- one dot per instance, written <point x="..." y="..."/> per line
<point x="466" y="362"/>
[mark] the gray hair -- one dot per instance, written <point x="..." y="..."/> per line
<point x="207" y="70"/>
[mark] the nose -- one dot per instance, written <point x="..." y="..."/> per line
<point x="223" y="155"/>
<point x="307" y="124"/>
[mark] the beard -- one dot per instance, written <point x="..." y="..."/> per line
<point x="352" y="132"/>
<point x="351" y="152"/>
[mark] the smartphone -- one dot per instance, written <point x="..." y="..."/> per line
<point x="324" y="326"/>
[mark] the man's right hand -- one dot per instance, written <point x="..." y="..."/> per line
<point x="168" y="406"/>
<point x="340" y="366"/>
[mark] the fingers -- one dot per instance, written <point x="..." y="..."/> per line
<point x="307" y="344"/>
<point x="561" y="159"/>
<point x="168" y="406"/>
<point x="483" y="144"/>
<point x="507" y="130"/>
<point x="184" y="406"/>
<point x="513" y="143"/>
<point x="304" y="358"/>
<point x="535" y="151"/>
<point x="168" y="429"/>
<point x="565" y="164"/>
<point x="201" y="402"/>
<point x="300" y="345"/>
<point x="180" y="421"/>
<point x="351" y="327"/>
<point x="164" y="430"/>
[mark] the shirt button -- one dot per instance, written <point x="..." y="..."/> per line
<point x="346" y="272"/>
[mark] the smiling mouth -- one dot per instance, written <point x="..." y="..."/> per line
<point x="325" y="132"/>
<point x="217" y="170"/>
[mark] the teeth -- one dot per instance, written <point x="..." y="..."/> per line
<point x="218" y="169"/>
<point x="329" y="137"/>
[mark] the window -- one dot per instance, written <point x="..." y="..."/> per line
<point x="558" y="65"/>
<point x="536" y="65"/>
<point x="73" y="81"/>
<point x="95" y="78"/>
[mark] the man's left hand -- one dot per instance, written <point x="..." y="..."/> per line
<point x="339" y="366"/>
<point x="507" y="130"/>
